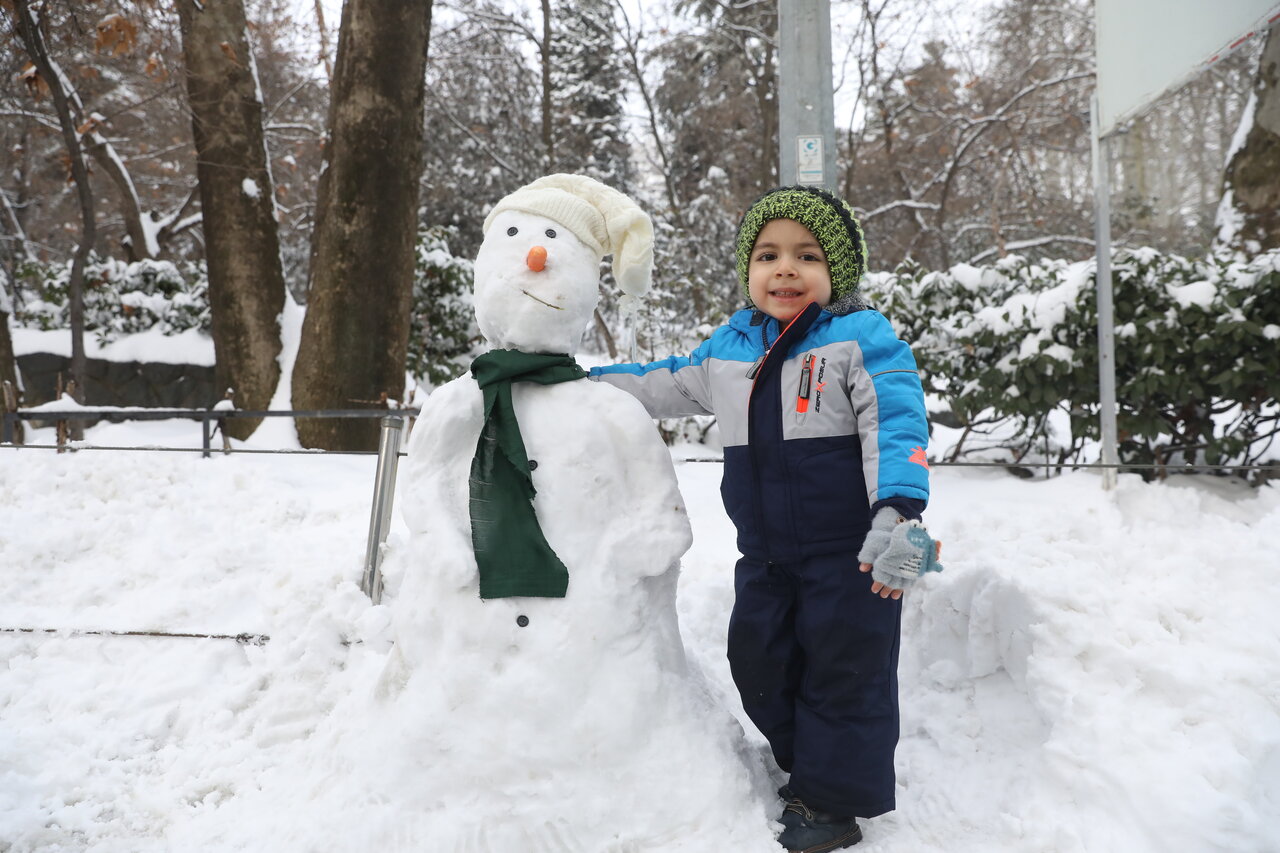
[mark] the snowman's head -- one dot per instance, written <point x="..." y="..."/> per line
<point x="536" y="284"/>
<point x="537" y="274"/>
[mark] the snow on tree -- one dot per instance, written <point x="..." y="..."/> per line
<point x="246" y="281"/>
<point x="1249" y="216"/>
<point x="587" y="86"/>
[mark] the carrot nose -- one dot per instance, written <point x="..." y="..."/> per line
<point x="536" y="259"/>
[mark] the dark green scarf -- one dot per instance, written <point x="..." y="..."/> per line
<point x="511" y="552"/>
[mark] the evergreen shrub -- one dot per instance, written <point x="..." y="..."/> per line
<point x="1011" y="349"/>
<point x="120" y="298"/>
<point x="442" y="329"/>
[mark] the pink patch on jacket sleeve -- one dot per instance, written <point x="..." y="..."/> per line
<point x="918" y="457"/>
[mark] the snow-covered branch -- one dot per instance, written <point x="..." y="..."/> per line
<point x="972" y="129"/>
<point x="278" y="127"/>
<point x="480" y="143"/>
<point x="900" y="203"/>
<point x="91" y="142"/>
<point x="40" y="118"/>
<point x="19" y="232"/>
<point x="1031" y="244"/>
<point x="177" y="221"/>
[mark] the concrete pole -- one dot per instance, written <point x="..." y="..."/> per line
<point x="806" y="106"/>
<point x="1106" y="313"/>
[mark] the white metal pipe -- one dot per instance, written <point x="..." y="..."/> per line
<point x="384" y="488"/>
<point x="1106" y="311"/>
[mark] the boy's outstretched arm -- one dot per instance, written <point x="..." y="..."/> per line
<point x="672" y="387"/>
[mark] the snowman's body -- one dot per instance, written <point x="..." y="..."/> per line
<point x="607" y="503"/>
<point x="590" y="691"/>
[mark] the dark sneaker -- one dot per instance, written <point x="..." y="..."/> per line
<point x="809" y="831"/>
<point x="787" y="795"/>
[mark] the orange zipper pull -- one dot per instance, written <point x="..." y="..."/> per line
<point x="802" y="395"/>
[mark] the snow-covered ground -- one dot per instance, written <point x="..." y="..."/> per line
<point x="1092" y="672"/>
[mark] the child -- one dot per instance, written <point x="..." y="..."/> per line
<point x="822" y="417"/>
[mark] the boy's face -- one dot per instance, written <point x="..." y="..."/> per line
<point x="787" y="270"/>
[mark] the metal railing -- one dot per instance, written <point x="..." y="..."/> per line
<point x="384" y="489"/>
<point x="393" y="422"/>
<point x="210" y="419"/>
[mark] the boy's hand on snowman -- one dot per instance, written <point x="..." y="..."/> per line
<point x="896" y="552"/>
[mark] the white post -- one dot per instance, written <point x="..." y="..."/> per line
<point x="384" y="488"/>
<point x="1106" y="313"/>
<point x="806" y="106"/>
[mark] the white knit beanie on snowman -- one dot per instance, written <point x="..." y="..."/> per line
<point x="600" y="216"/>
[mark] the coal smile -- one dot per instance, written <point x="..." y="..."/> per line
<point x="543" y="301"/>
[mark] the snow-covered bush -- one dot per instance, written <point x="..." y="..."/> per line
<point x="442" y="327"/>
<point x="1012" y="349"/>
<point x="119" y="298"/>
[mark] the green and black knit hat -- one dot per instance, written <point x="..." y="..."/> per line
<point x="833" y="224"/>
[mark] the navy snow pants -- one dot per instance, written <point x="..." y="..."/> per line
<point x="814" y="654"/>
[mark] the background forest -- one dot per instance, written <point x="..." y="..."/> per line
<point x="963" y="141"/>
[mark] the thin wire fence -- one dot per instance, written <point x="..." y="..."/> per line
<point x="1171" y="468"/>
<point x="244" y="639"/>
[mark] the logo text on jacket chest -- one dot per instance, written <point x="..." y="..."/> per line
<point x="819" y="385"/>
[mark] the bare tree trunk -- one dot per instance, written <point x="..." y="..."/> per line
<point x="356" y="332"/>
<point x="766" y="91"/>
<point x="9" y="291"/>
<point x="8" y="364"/>
<point x="1253" y="175"/>
<point x="324" y="40"/>
<point x="1133" y="157"/>
<point x="138" y="245"/>
<point x="544" y="49"/>
<point x="242" y="246"/>
<point x="33" y="40"/>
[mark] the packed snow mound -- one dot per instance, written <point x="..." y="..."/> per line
<point x="1104" y="652"/>
<point x="1092" y="672"/>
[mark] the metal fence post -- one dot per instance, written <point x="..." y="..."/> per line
<point x="12" y="426"/>
<point x="384" y="488"/>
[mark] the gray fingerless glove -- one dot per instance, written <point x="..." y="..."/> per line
<point x="877" y="540"/>
<point x="898" y="550"/>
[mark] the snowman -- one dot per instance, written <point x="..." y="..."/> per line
<point x="540" y="686"/>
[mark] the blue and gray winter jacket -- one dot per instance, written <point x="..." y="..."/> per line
<point x="822" y="422"/>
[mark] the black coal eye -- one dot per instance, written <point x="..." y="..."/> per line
<point x="512" y="231"/>
<point x="551" y="232"/>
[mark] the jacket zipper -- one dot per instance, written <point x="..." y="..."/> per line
<point x="753" y="447"/>
<point x="806" y="383"/>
